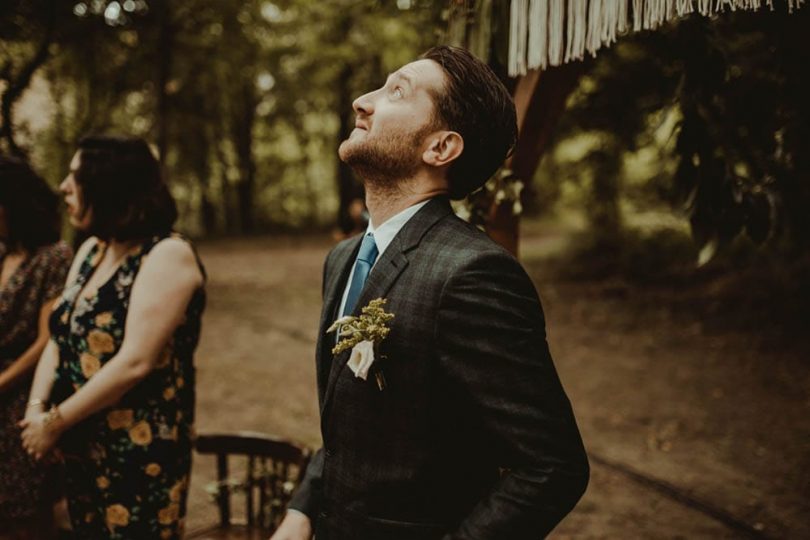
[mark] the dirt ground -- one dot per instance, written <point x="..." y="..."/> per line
<point x="696" y="429"/>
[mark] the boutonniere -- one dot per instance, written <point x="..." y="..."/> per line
<point x="363" y="335"/>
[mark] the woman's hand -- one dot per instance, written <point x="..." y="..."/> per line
<point x="40" y="432"/>
<point x="33" y="410"/>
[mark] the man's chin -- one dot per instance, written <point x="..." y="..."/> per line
<point x="346" y="150"/>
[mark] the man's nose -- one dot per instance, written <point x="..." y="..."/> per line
<point x="364" y="105"/>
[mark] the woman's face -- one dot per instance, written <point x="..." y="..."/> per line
<point x="80" y="217"/>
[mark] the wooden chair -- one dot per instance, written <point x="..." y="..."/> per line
<point x="274" y="468"/>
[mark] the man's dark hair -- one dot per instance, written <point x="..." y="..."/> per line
<point x="120" y="180"/>
<point x="476" y="104"/>
<point x="31" y="207"/>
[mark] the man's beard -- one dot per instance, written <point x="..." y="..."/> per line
<point x="385" y="162"/>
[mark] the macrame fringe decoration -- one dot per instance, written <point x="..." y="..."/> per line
<point x="546" y="33"/>
<point x="538" y="38"/>
<point x="556" y="36"/>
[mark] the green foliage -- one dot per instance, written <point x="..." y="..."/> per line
<point x="243" y="100"/>
<point x="660" y="255"/>
<point x="721" y="106"/>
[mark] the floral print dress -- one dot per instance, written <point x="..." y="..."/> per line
<point x="40" y="278"/>
<point x="127" y="467"/>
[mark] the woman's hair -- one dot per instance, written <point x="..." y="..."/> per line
<point x="31" y="207"/>
<point x="120" y="181"/>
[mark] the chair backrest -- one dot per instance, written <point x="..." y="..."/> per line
<point x="274" y="469"/>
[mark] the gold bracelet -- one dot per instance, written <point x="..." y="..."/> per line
<point x="35" y="402"/>
<point x="53" y="415"/>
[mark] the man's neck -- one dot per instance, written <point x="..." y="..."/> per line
<point x="382" y="208"/>
<point x="384" y="201"/>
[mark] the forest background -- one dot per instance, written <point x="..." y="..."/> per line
<point x="666" y="224"/>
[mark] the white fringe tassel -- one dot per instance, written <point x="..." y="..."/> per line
<point x="546" y="33"/>
<point x="538" y="37"/>
<point x="556" y="43"/>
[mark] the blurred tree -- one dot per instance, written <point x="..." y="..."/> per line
<point x="246" y="102"/>
<point x="735" y="83"/>
<point x="27" y="32"/>
<point x="740" y="165"/>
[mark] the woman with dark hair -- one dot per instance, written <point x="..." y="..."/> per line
<point x="118" y="373"/>
<point x="34" y="264"/>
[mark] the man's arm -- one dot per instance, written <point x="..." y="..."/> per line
<point x="305" y="504"/>
<point x="492" y="344"/>
<point x="307" y="498"/>
<point x="302" y="511"/>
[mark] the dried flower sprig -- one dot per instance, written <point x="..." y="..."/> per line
<point x="371" y="325"/>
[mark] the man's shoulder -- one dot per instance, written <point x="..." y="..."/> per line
<point x="458" y="242"/>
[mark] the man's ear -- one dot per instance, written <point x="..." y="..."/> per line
<point x="443" y="148"/>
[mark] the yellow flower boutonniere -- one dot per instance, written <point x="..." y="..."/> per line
<point x="362" y="335"/>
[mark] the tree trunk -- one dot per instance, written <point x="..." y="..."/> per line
<point x="17" y="85"/>
<point x="202" y="170"/>
<point x="164" y="70"/>
<point x="347" y="187"/>
<point x="243" y="140"/>
<point x="603" y="207"/>
<point x="225" y="189"/>
<point x="540" y="101"/>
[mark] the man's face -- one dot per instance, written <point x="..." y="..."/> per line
<point x="393" y="123"/>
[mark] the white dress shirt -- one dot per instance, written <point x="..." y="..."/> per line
<point x="383" y="235"/>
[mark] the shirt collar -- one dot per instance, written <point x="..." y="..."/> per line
<point x="385" y="233"/>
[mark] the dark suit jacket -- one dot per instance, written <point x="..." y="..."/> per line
<point x="473" y="437"/>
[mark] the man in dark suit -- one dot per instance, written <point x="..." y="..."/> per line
<point x="471" y="435"/>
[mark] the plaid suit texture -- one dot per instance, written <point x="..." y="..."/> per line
<point x="473" y="436"/>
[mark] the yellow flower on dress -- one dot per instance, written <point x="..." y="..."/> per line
<point x="177" y="490"/>
<point x="120" y="418"/>
<point x="117" y="516"/>
<point x="100" y="342"/>
<point x="104" y="319"/>
<point x="168" y="393"/>
<point x="168" y="515"/>
<point x="141" y="433"/>
<point x="153" y="469"/>
<point x="90" y="364"/>
<point x="103" y="482"/>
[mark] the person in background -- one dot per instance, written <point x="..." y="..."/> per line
<point x="34" y="264"/>
<point x="118" y="373"/>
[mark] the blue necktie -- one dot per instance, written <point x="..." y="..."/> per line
<point x="365" y="260"/>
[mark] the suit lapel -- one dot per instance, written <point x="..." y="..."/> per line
<point x="336" y="279"/>
<point x="384" y="274"/>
